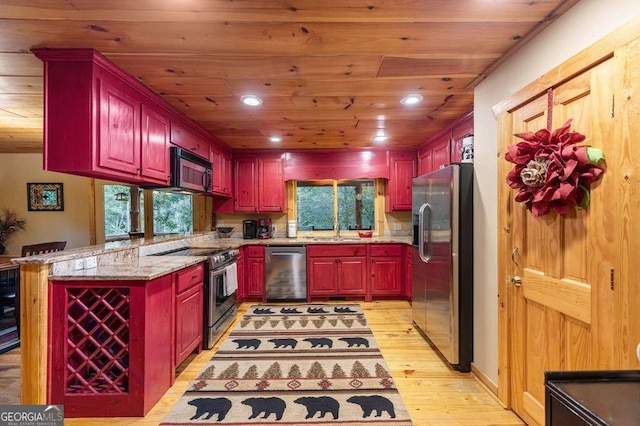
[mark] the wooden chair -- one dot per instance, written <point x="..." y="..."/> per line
<point x="31" y="250"/>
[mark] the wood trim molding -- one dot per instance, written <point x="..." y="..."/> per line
<point x="534" y="409"/>
<point x="486" y="382"/>
<point x="587" y="58"/>
<point x="34" y="321"/>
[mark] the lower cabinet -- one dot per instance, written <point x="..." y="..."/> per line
<point x="115" y="344"/>
<point x="337" y="270"/>
<point x="386" y="270"/>
<point x="111" y="354"/>
<point x="189" y="312"/>
<point x="254" y="272"/>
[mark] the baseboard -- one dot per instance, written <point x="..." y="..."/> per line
<point x="487" y="383"/>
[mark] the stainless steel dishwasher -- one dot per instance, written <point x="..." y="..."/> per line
<point x="286" y="272"/>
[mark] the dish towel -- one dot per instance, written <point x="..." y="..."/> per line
<point x="231" y="283"/>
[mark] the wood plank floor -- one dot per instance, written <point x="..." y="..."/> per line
<point x="433" y="393"/>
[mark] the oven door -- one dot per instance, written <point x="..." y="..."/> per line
<point x="221" y="302"/>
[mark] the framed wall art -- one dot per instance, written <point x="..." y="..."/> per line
<point x="45" y="197"/>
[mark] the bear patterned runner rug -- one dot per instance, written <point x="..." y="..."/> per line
<point x="315" y="364"/>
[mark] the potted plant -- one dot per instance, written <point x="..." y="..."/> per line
<point x="9" y="223"/>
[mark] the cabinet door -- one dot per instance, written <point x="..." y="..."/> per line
<point x="386" y="276"/>
<point x="322" y="275"/>
<point x="403" y="170"/>
<point x="119" y="140"/>
<point x="441" y="152"/>
<point x="352" y="275"/>
<point x="189" y="311"/>
<point x="458" y="133"/>
<point x="218" y="171"/>
<point x="245" y="191"/>
<point x="255" y="276"/>
<point x="271" y="193"/>
<point x="425" y="163"/>
<point x="155" y="145"/>
<point x="226" y="174"/>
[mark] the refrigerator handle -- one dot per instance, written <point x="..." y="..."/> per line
<point x="421" y="231"/>
<point x="430" y="241"/>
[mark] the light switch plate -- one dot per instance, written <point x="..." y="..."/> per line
<point x="91" y="262"/>
<point x="397" y="227"/>
<point x="638" y="351"/>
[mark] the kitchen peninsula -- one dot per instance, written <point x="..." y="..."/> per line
<point x="107" y="327"/>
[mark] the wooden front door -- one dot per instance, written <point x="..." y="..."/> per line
<point x="561" y="269"/>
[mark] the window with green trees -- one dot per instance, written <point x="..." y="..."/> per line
<point x="172" y="212"/>
<point x="350" y="201"/>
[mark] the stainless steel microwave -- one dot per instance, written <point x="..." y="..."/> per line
<point x="189" y="172"/>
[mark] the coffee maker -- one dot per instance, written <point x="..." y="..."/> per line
<point x="264" y="228"/>
<point x="249" y="229"/>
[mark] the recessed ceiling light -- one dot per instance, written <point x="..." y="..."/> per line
<point x="251" y="100"/>
<point x="380" y="136"/>
<point x="411" y="99"/>
<point x="275" y="139"/>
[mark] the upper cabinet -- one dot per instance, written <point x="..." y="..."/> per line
<point x="446" y="147"/>
<point x="221" y="161"/>
<point x="258" y="183"/>
<point x="101" y="122"/>
<point x="189" y="139"/>
<point x="402" y="171"/>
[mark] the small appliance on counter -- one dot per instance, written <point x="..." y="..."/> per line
<point x="264" y="228"/>
<point x="249" y="229"/>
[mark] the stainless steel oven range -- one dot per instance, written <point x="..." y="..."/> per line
<point x="220" y="287"/>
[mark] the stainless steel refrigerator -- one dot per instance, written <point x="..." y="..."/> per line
<point x="442" y="261"/>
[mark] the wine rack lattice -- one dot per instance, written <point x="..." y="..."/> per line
<point x="97" y="349"/>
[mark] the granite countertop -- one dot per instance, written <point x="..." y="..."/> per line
<point x="143" y="268"/>
<point x="132" y="260"/>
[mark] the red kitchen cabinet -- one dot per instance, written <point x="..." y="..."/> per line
<point x="111" y="346"/>
<point x="259" y="184"/>
<point x="425" y="163"/>
<point x="459" y="131"/>
<point x="221" y="161"/>
<point x="441" y="152"/>
<point x="386" y="269"/>
<point x="189" y="312"/>
<point x="99" y="122"/>
<point x="403" y="169"/>
<point x="255" y="272"/>
<point x="337" y="270"/>
<point x="445" y="147"/>
<point x="189" y="139"/>
<point x="154" y="160"/>
<point x="245" y="197"/>
<point x="270" y="184"/>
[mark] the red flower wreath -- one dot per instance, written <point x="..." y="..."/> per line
<point x="551" y="172"/>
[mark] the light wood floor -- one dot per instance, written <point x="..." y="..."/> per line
<point x="433" y="394"/>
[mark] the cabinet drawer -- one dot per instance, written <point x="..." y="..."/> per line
<point x="333" y="250"/>
<point x="386" y="250"/>
<point x="188" y="278"/>
<point x="254" y="251"/>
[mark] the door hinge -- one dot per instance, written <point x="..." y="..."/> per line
<point x="612" y="277"/>
<point x="612" y="109"/>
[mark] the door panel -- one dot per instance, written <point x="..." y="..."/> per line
<point x="560" y="259"/>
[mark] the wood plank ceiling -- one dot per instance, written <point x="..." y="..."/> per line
<point x="331" y="73"/>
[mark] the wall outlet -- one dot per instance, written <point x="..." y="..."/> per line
<point x="91" y="262"/>
<point x="397" y="227"/>
<point x="79" y="264"/>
